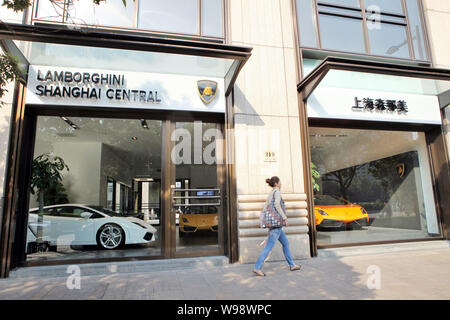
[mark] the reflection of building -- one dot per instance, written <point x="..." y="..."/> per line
<point x="152" y="143"/>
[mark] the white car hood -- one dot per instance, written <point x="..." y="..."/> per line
<point x="142" y="223"/>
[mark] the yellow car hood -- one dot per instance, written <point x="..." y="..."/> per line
<point x="344" y="213"/>
<point x="199" y="219"/>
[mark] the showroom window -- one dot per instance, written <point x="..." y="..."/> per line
<point x="97" y="189"/>
<point x="392" y="28"/>
<point x="204" y="18"/>
<point x="106" y="201"/>
<point x="371" y="186"/>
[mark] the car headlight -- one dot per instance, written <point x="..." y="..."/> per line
<point x="322" y="212"/>
<point x="363" y="211"/>
<point x="184" y="220"/>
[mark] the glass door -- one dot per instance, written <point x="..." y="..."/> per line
<point x="197" y="188"/>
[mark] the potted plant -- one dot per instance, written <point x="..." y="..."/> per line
<point x="46" y="183"/>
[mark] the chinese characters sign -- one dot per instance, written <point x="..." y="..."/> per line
<point x="369" y="104"/>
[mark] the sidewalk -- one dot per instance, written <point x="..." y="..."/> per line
<point x="412" y="271"/>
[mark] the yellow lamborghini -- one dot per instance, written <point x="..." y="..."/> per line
<point x="194" y="219"/>
<point x="334" y="212"/>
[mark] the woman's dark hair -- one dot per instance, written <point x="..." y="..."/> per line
<point x="271" y="182"/>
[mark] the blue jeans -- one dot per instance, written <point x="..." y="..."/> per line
<point x="274" y="235"/>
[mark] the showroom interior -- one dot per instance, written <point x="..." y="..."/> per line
<point x="115" y="164"/>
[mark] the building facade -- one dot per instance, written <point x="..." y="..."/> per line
<point x="146" y="131"/>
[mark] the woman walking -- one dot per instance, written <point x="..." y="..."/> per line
<point x="275" y="233"/>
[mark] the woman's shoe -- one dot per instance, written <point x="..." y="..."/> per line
<point x="295" y="268"/>
<point x="259" y="273"/>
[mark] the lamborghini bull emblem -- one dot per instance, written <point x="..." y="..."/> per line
<point x="400" y="167"/>
<point x="207" y="90"/>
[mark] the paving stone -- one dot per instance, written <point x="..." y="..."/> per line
<point x="410" y="274"/>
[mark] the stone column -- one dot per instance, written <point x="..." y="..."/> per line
<point x="267" y="121"/>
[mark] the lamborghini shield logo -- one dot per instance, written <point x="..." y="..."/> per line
<point x="207" y="90"/>
<point x="400" y="167"/>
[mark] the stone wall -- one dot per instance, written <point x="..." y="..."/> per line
<point x="267" y="120"/>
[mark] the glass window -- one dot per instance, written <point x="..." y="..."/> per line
<point x="212" y="18"/>
<point x="110" y="195"/>
<point x="197" y="187"/>
<point x="371" y="185"/>
<point x="309" y="65"/>
<point x="343" y="27"/>
<point x="346" y="3"/>
<point x="342" y="34"/>
<point x="174" y="16"/>
<point x="107" y="13"/>
<point x="389" y="18"/>
<point x="92" y="159"/>
<point x="391" y="6"/>
<point x="389" y="40"/>
<point x="50" y="10"/>
<point x="178" y="16"/>
<point x="415" y="26"/>
<point x="327" y="9"/>
<point x="306" y="25"/>
<point x="71" y="212"/>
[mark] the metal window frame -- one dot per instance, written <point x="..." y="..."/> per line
<point x="316" y="12"/>
<point x="135" y="27"/>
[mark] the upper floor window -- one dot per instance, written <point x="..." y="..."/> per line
<point x="390" y="28"/>
<point x="204" y="18"/>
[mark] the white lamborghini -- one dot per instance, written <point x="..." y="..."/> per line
<point x="74" y="224"/>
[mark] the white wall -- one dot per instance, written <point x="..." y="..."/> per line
<point x="267" y="119"/>
<point x="114" y="164"/>
<point x="437" y="16"/>
<point x="82" y="181"/>
<point x="265" y="96"/>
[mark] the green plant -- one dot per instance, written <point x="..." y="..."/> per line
<point x="315" y="177"/>
<point x="45" y="179"/>
<point x="56" y="194"/>
<point x="16" y="5"/>
<point x="9" y="71"/>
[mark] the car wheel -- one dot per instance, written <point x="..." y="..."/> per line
<point x="110" y="236"/>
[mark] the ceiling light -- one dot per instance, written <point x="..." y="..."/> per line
<point x="143" y="179"/>
<point x="144" y="124"/>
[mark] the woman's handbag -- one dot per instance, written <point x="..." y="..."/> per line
<point x="270" y="218"/>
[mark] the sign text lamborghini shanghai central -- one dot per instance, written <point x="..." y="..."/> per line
<point x="107" y="88"/>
